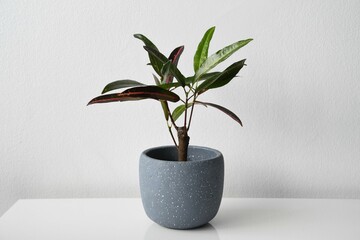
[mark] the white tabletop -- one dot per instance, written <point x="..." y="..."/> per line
<point x="41" y="219"/>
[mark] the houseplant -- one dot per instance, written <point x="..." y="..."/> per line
<point x="177" y="182"/>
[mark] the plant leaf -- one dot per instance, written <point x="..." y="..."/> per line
<point x="175" y="55"/>
<point x="121" y="84"/>
<point x="156" y="80"/>
<point x="224" y="110"/>
<point x="145" y="40"/>
<point x="219" y="57"/>
<point x="202" y="49"/>
<point x="165" y="71"/>
<point x="154" y="62"/>
<point x="167" y="86"/>
<point x="178" y="111"/>
<point x="209" y="75"/>
<point x="174" y="58"/>
<point x="189" y="80"/>
<point x="172" y="68"/>
<point x="164" y="105"/>
<point x="221" y="79"/>
<point x="138" y="93"/>
<point x="206" y="76"/>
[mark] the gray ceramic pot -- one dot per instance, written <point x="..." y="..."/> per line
<point x="181" y="195"/>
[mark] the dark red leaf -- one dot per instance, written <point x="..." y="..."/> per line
<point x="174" y="58"/>
<point x="138" y="93"/>
<point x="172" y="68"/>
<point x="224" y="110"/>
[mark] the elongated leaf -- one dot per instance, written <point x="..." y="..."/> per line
<point x="165" y="107"/>
<point x="165" y="71"/>
<point x="138" y="93"/>
<point x="163" y="103"/>
<point x="157" y="82"/>
<point x="236" y="67"/>
<point x="154" y="52"/>
<point x="145" y="40"/>
<point x="154" y="62"/>
<point x="224" y="110"/>
<point x="209" y="75"/>
<point x="175" y="55"/>
<point x="121" y="84"/>
<point x="189" y="80"/>
<point x="173" y="69"/>
<point x="174" y="58"/>
<point x="206" y="76"/>
<point x="178" y="112"/>
<point x="219" y="57"/>
<point x="167" y="86"/>
<point x="202" y="49"/>
<point x="221" y="79"/>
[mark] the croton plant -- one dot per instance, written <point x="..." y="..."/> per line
<point x="191" y="88"/>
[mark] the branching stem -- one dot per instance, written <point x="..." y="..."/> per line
<point x="191" y="114"/>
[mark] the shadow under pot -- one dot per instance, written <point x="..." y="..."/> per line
<point x="181" y="194"/>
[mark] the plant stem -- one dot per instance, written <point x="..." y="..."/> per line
<point x="183" y="137"/>
<point x="183" y="143"/>
<point x="191" y="112"/>
<point x="186" y="103"/>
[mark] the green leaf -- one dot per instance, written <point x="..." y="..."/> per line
<point x="172" y="68"/>
<point x="138" y="93"/>
<point x="206" y="76"/>
<point x="146" y="41"/>
<point x="156" y="80"/>
<point x="158" y="55"/>
<point x="202" y="49"/>
<point x="154" y="62"/>
<point x="219" y="57"/>
<point x="163" y="103"/>
<point x="178" y="112"/>
<point x="221" y="79"/>
<point x="224" y="110"/>
<point x="209" y="75"/>
<point x="189" y="80"/>
<point x="121" y="84"/>
<point x="167" y="86"/>
<point x="165" y="109"/>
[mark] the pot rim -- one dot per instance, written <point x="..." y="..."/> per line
<point x="217" y="153"/>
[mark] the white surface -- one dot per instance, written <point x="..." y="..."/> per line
<point x="237" y="219"/>
<point x="298" y="97"/>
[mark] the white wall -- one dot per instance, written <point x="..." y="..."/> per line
<point x="299" y="96"/>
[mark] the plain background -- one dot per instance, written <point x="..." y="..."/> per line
<point x="298" y="96"/>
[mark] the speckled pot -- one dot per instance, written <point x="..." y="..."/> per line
<point x="181" y="195"/>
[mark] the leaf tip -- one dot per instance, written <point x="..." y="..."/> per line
<point x="90" y="103"/>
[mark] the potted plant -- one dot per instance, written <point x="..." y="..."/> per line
<point x="181" y="186"/>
